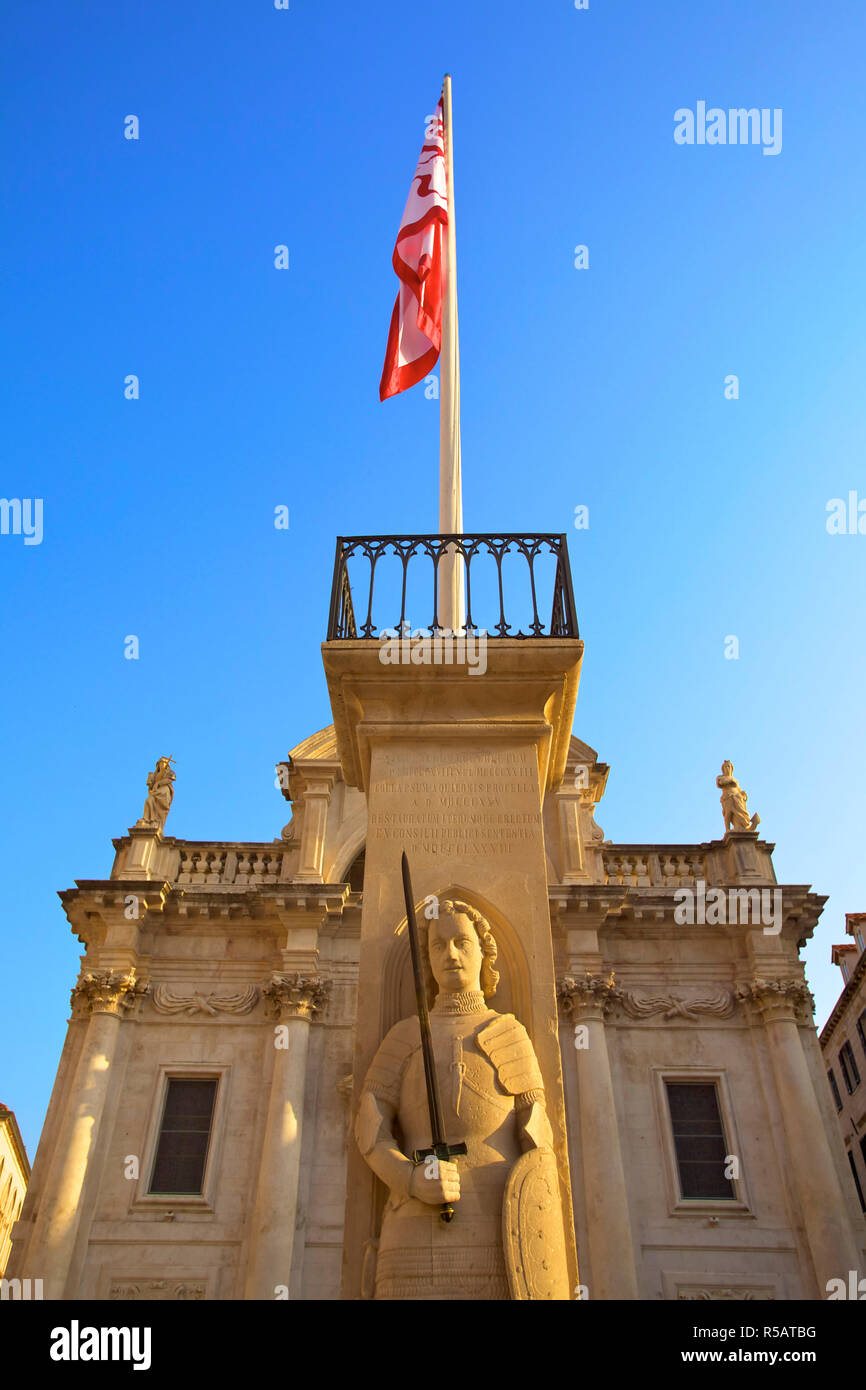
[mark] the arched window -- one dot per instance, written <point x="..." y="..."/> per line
<point x="355" y="876"/>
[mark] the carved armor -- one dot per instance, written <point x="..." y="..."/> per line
<point x="493" y="1100"/>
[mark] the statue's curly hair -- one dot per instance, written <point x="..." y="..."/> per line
<point x="489" y="951"/>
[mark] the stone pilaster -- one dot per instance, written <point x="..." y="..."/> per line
<point x="580" y="838"/>
<point x="100" y="999"/>
<point x="317" y="787"/>
<point x="780" y="1004"/>
<point x="585" y="1003"/>
<point x="570" y="805"/>
<point x="291" y="999"/>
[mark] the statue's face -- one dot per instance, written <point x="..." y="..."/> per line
<point x="455" y="953"/>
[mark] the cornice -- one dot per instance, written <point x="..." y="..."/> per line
<point x="155" y="896"/>
<point x="623" y="906"/>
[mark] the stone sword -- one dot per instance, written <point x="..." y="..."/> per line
<point x="442" y="1150"/>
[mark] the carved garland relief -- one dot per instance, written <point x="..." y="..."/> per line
<point x="786" y="998"/>
<point x="167" y="1001"/>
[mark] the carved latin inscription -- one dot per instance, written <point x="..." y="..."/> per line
<point x="457" y="802"/>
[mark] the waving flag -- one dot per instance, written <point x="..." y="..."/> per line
<point x="415" y="335"/>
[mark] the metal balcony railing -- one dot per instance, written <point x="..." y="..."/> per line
<point x="539" y="585"/>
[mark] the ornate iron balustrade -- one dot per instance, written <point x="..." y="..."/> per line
<point x="343" y="624"/>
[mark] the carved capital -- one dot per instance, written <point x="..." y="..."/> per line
<point x="778" y="999"/>
<point x="106" y="992"/>
<point x="295" y="996"/>
<point x="592" y="996"/>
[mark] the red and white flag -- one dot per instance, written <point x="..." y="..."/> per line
<point x="415" y="335"/>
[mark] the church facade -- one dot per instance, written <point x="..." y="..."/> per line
<point x="201" y="1138"/>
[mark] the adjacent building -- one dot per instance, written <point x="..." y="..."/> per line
<point x="14" y="1176"/>
<point x="843" y="1043"/>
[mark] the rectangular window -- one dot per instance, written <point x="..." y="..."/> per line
<point x="856" y="1176"/>
<point x="699" y="1141"/>
<point x="861" y="1031"/>
<point x="834" y="1088"/>
<point x="850" y="1073"/>
<point x="184" y="1135"/>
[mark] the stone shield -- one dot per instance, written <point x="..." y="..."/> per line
<point x="532" y="1232"/>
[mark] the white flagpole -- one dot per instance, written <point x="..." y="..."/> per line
<point x="451" y="598"/>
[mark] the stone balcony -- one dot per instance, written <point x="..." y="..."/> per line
<point x="739" y="858"/>
<point x="212" y="864"/>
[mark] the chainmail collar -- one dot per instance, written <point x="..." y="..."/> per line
<point x="467" y="1001"/>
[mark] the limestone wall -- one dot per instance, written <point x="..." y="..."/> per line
<point x="229" y="943"/>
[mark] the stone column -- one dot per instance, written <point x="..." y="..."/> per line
<point x="291" y="1000"/>
<point x="811" y="1168"/>
<point x="611" y="1248"/>
<point x="101" y="996"/>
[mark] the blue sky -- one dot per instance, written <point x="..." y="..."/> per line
<point x="602" y="387"/>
